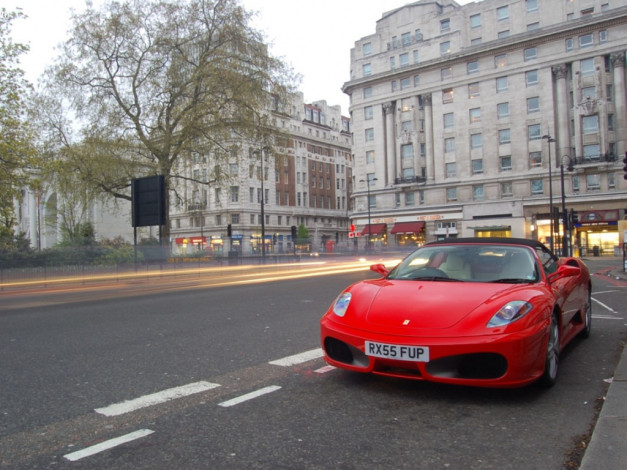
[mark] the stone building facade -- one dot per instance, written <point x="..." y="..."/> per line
<point x="474" y="120"/>
<point x="305" y="179"/>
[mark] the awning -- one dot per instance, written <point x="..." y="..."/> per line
<point x="408" y="227"/>
<point x="373" y="229"/>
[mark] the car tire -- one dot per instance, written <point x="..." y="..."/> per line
<point x="587" y="317"/>
<point x="552" y="359"/>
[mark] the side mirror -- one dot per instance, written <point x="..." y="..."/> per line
<point x="380" y="268"/>
<point x="565" y="270"/>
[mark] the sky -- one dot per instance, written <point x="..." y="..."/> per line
<point x="314" y="37"/>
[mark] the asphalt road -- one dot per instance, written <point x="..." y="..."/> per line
<point x="187" y="378"/>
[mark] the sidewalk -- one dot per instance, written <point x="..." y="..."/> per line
<point x="608" y="445"/>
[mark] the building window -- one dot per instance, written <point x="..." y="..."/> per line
<point x="367" y="70"/>
<point x="445" y="47"/>
<point x="500" y="61"/>
<point x="535" y="132"/>
<point x="531" y="53"/>
<point x="368" y="113"/>
<point x="473" y="90"/>
<point x="502" y="110"/>
<point x="476" y="141"/>
<point x="407" y="152"/>
<point x="449" y="120"/>
<point x="602" y="37"/>
<point x="503" y="34"/>
<point x="535" y="159"/>
<point x="477" y="166"/>
<point x="589" y="92"/>
<point x="531" y="77"/>
<point x="475" y="20"/>
<point x="403" y="59"/>
<point x="369" y="156"/>
<point x="451" y="170"/>
<point x="610" y="123"/>
<point x="591" y="153"/>
<point x="593" y="182"/>
<point x="472" y="67"/>
<point x="445" y="25"/>
<point x="533" y="104"/>
<point x="477" y="192"/>
<point x="392" y="63"/>
<point x="367" y="49"/>
<point x="409" y="199"/>
<point x="504" y="136"/>
<point x="586" y="40"/>
<point x="449" y="145"/>
<point x="532" y="5"/>
<point x="405" y="83"/>
<point x="533" y="26"/>
<point x="506" y="189"/>
<point x="235" y="218"/>
<point x="537" y="187"/>
<point x="575" y="184"/>
<point x="475" y="41"/>
<point x="502" y="13"/>
<point x="569" y="44"/>
<point x="475" y="115"/>
<point x="501" y="84"/>
<point x="451" y="194"/>
<point x="367" y="92"/>
<point x="590" y="124"/>
<point x="369" y="134"/>
<point x="372" y="201"/>
<point x="234" y="193"/>
<point x="506" y="163"/>
<point x="446" y="73"/>
<point x="447" y="95"/>
<point x="587" y="66"/>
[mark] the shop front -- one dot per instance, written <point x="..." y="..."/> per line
<point x="375" y="235"/>
<point x="409" y="234"/>
<point x="597" y="233"/>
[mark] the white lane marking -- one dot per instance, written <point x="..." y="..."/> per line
<point x="324" y="369"/>
<point x="249" y="396"/>
<point x="605" y="317"/>
<point x="155" y="398"/>
<point x="298" y="358"/>
<point x="111" y="443"/>
<point x="606" y="292"/>
<point x="604" y="306"/>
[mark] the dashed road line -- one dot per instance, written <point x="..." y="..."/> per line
<point x="106" y="445"/>
<point x="604" y="306"/>
<point x="155" y="398"/>
<point x="249" y="396"/>
<point x="298" y="358"/>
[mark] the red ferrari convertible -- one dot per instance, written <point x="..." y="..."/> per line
<point x="485" y="312"/>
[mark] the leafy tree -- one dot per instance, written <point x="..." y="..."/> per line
<point x="149" y="82"/>
<point x="16" y="152"/>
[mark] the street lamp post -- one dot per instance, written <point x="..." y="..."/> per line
<point x="367" y="181"/>
<point x="550" y="140"/>
<point x="566" y="241"/>
<point x="263" y="217"/>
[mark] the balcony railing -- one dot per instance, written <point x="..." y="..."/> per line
<point x="198" y="206"/>
<point x="410" y="180"/>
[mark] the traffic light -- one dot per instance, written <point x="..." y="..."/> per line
<point x="352" y="228"/>
<point x="625" y="166"/>
<point x="229" y="231"/>
<point x="574" y="219"/>
<point x="293" y="232"/>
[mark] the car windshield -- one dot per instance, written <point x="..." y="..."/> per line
<point x="469" y="263"/>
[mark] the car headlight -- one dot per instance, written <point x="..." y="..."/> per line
<point x="510" y="312"/>
<point x="341" y="304"/>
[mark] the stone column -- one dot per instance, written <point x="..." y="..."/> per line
<point x="560" y="73"/>
<point x="390" y="143"/>
<point x="430" y="157"/>
<point x="618" y="64"/>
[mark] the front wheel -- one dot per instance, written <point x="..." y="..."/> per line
<point x="587" y="317"/>
<point x="551" y="363"/>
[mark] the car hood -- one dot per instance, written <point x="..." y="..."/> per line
<point x="430" y="304"/>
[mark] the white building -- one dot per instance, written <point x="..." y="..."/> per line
<point x="306" y="181"/>
<point x="463" y="117"/>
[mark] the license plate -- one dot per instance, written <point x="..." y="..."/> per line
<point x="398" y="352"/>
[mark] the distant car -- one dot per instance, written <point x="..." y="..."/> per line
<point x="485" y="312"/>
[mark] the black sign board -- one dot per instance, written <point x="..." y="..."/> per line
<point x="148" y="201"/>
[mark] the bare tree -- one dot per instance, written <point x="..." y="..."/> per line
<point x="146" y="83"/>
